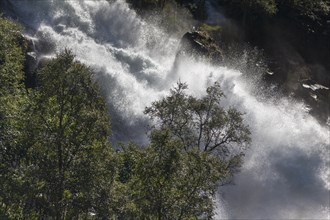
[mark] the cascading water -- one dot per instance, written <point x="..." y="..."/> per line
<point x="286" y="171"/>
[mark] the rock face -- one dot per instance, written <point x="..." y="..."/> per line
<point x="31" y="61"/>
<point x="200" y="44"/>
<point x="296" y="74"/>
<point x="33" y="47"/>
<point x="295" y="77"/>
<point x="317" y="97"/>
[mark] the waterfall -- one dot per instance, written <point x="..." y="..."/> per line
<point x="286" y="170"/>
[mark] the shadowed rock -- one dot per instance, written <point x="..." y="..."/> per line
<point x="200" y="44"/>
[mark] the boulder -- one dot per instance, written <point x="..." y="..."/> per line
<point x="200" y="44"/>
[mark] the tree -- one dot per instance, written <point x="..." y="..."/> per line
<point x="11" y="58"/>
<point x="200" y="123"/>
<point x="167" y="182"/>
<point x="195" y="146"/>
<point x="12" y="102"/>
<point x="67" y="136"/>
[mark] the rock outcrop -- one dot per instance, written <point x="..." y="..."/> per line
<point x="200" y="44"/>
<point x="31" y="60"/>
<point x="32" y="48"/>
<point x="317" y="97"/>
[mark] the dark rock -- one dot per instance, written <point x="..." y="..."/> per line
<point x="31" y="62"/>
<point x="317" y="96"/>
<point x="295" y="72"/>
<point x="198" y="10"/>
<point x="30" y="66"/>
<point x="200" y="44"/>
<point x="44" y="46"/>
<point x="33" y="48"/>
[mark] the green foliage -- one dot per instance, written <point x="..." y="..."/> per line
<point x="11" y="58"/>
<point x="12" y="102"/>
<point x="169" y="14"/>
<point x="67" y="136"/>
<point x="59" y="163"/>
<point x="200" y="123"/>
<point x="167" y="182"/>
<point x="209" y="28"/>
<point x="11" y="76"/>
<point x="177" y="175"/>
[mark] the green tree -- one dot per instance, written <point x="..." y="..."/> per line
<point x="12" y="102"/>
<point x="200" y="123"/>
<point x="167" y="182"/>
<point x="67" y="134"/>
<point x="177" y="175"/>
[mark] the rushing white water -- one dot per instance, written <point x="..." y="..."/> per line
<point x="286" y="171"/>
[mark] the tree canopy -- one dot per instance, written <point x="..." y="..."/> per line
<point x="12" y="101"/>
<point x="62" y="154"/>
<point x="167" y="182"/>
<point x="67" y="135"/>
<point x="196" y="145"/>
<point x="200" y="123"/>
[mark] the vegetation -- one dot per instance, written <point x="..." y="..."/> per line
<point x="314" y="10"/>
<point x="56" y="161"/>
<point x="177" y="175"/>
<point x="12" y="100"/>
<point x="169" y="14"/>
<point x="167" y="182"/>
<point x="208" y="28"/>
<point x="270" y="7"/>
<point x="200" y="123"/>
<point x="67" y="136"/>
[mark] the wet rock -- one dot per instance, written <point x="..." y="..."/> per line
<point x="33" y="48"/>
<point x="200" y="44"/>
<point x="317" y="96"/>
<point x="30" y="67"/>
<point x="31" y="61"/>
<point x="44" y="46"/>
